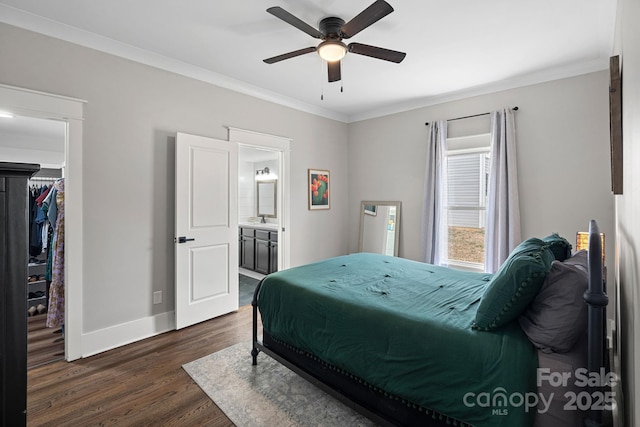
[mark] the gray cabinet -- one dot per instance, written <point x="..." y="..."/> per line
<point x="273" y="251"/>
<point x="258" y="249"/>
<point x="13" y="291"/>
<point x="262" y="252"/>
<point x="247" y="248"/>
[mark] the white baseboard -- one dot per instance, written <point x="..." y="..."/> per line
<point x="127" y="333"/>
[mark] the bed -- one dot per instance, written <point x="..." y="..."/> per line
<point x="408" y="343"/>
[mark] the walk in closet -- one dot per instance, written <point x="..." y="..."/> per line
<point x="40" y="142"/>
<point x="45" y="266"/>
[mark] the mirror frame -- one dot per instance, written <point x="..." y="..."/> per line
<point x="397" y="204"/>
<point x="275" y="198"/>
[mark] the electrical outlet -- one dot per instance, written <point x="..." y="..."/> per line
<point x="157" y="297"/>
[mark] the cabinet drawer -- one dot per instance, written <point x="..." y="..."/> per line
<point x="262" y="234"/>
<point x="247" y="232"/>
<point x="273" y="236"/>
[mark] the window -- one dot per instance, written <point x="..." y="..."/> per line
<point x="468" y="165"/>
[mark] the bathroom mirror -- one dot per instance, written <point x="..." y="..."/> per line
<point x="379" y="227"/>
<point x="266" y="198"/>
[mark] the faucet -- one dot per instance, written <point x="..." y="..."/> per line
<point x="262" y="219"/>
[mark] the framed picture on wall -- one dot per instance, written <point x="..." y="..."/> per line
<point x="319" y="189"/>
<point x="615" y="123"/>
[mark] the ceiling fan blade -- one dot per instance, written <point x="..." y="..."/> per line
<point x="334" y="71"/>
<point x="289" y="55"/>
<point x="376" y="11"/>
<point x="279" y="12"/>
<point x="376" y="52"/>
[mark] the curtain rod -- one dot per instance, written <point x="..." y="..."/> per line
<point x="474" y="115"/>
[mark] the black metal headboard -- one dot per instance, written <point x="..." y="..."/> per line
<point x="597" y="301"/>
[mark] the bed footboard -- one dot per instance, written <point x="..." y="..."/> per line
<point x="256" y="345"/>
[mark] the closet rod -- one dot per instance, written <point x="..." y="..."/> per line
<point x="43" y="178"/>
<point x="473" y="115"/>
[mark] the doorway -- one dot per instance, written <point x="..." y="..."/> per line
<point x="26" y="103"/>
<point x="258" y="172"/>
<point x="39" y="141"/>
<point x="263" y="177"/>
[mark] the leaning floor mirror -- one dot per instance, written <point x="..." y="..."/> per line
<point x="379" y="227"/>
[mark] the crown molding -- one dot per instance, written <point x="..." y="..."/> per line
<point x="48" y="27"/>
<point x="542" y="76"/>
<point x="28" y="21"/>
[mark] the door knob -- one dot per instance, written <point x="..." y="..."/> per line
<point x="183" y="239"/>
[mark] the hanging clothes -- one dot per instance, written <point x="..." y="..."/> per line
<point x="37" y="219"/>
<point x="34" y="231"/>
<point x="40" y="219"/>
<point x="51" y="211"/>
<point x="55" y="312"/>
<point x="43" y="195"/>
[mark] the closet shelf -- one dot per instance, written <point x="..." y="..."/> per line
<point x="37" y="264"/>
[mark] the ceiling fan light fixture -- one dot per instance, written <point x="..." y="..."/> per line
<point x="332" y="50"/>
<point x="332" y="30"/>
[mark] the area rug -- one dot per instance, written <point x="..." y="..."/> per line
<point x="268" y="394"/>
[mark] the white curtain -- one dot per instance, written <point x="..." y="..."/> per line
<point x="503" y="210"/>
<point x="434" y="217"/>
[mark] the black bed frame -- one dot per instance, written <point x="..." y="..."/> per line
<point x="386" y="409"/>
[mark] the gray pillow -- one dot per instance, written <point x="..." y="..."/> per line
<point x="557" y="316"/>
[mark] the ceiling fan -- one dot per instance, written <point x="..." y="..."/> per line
<point x="332" y="31"/>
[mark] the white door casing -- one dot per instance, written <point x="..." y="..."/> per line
<point x="31" y="103"/>
<point x="206" y="229"/>
<point x="282" y="146"/>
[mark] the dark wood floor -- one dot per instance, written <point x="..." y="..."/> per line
<point x="44" y="345"/>
<point x="140" y="384"/>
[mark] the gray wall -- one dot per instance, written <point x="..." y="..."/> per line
<point x="562" y="152"/>
<point x="628" y="208"/>
<point x="132" y="114"/>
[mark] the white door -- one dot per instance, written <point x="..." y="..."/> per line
<point x="206" y="228"/>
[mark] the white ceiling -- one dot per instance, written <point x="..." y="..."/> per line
<point x="455" y="48"/>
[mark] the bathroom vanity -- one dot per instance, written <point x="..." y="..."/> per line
<point x="258" y="245"/>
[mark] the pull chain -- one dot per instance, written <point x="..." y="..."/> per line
<point x="321" y="80"/>
<point x="322" y="68"/>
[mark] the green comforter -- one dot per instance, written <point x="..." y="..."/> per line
<point x="405" y="327"/>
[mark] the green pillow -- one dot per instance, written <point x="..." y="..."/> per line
<point x="514" y="285"/>
<point x="560" y="246"/>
